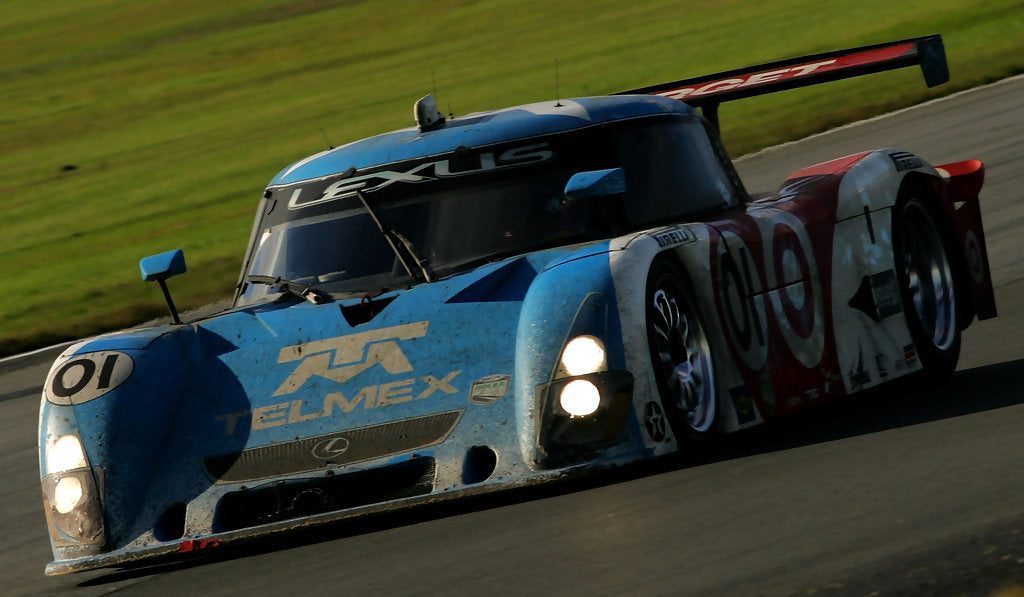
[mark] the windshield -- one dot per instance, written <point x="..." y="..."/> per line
<point x="472" y="205"/>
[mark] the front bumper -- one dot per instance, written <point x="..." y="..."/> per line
<point x="142" y="555"/>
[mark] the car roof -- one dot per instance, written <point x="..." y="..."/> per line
<point x="477" y="130"/>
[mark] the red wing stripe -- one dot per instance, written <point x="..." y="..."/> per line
<point x="710" y="90"/>
<point x="765" y="77"/>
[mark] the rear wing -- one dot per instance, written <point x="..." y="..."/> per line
<point x="709" y="91"/>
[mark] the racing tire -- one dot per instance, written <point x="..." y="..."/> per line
<point x="927" y="276"/>
<point x="681" y="357"/>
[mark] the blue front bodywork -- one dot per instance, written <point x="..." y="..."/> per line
<point x="176" y="437"/>
<point x="282" y="412"/>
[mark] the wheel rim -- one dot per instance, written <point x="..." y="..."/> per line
<point x="929" y="276"/>
<point x="682" y="356"/>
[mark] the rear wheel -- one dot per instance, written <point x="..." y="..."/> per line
<point x="928" y="289"/>
<point x="680" y="353"/>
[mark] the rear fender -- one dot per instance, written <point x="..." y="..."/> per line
<point x="963" y="181"/>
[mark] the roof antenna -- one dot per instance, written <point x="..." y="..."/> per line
<point x="428" y="117"/>
<point x="558" y="93"/>
<point x="328" y="141"/>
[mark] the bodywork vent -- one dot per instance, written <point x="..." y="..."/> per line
<point x="286" y="500"/>
<point x="331" y="450"/>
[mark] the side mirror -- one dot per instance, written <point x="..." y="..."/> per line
<point x="596" y="183"/>
<point x="159" y="268"/>
<point x="604" y="189"/>
<point x="162" y="266"/>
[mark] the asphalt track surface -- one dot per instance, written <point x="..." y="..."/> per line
<point x="916" y="491"/>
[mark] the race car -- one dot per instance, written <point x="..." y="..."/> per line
<point x="505" y="298"/>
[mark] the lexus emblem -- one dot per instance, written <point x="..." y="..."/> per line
<point x="330" y="448"/>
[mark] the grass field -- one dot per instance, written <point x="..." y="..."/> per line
<point x="130" y="128"/>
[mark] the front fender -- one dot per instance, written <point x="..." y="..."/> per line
<point x="571" y="298"/>
<point x="121" y="396"/>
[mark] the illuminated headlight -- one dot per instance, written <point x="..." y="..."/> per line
<point x="583" y="355"/>
<point x="65" y="454"/>
<point x="67" y="494"/>
<point x="580" y="398"/>
<point x="74" y="512"/>
<point x="71" y="494"/>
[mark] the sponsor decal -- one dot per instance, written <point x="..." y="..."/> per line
<point x="489" y="389"/>
<point x="798" y="303"/>
<point x="340" y="359"/>
<point x="793" y="72"/>
<point x="878" y="296"/>
<point x="345" y="187"/>
<point x="654" y="421"/>
<point x="752" y="79"/>
<point x="670" y="237"/>
<point x="909" y="360"/>
<point x="882" y="362"/>
<point x="369" y="397"/>
<point x="744" y="404"/>
<point x="887" y="294"/>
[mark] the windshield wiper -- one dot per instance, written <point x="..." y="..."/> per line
<point x="303" y="291"/>
<point x="398" y="243"/>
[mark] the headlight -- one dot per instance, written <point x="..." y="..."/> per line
<point x="72" y="488"/>
<point x="583" y="355"/>
<point x="65" y="454"/>
<point x="580" y="398"/>
<point x="67" y="494"/>
<point x="579" y="416"/>
<point x="74" y="513"/>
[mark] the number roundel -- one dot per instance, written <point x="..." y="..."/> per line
<point x="793" y="291"/>
<point x="742" y="301"/>
<point x="86" y="377"/>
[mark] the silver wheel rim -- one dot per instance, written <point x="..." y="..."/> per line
<point x="929" y="276"/>
<point x="683" y="358"/>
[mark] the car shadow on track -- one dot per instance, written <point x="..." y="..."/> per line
<point x="898" y="405"/>
<point x="903" y="403"/>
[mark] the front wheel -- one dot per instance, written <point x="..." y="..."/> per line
<point x="680" y="353"/>
<point x="928" y="287"/>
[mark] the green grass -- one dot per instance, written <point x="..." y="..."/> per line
<point x="130" y="128"/>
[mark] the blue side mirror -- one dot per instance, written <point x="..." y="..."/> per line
<point x="159" y="268"/>
<point x="162" y="266"/>
<point x="596" y="183"/>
